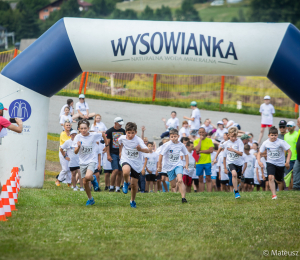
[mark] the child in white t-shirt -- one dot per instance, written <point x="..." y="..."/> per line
<point x="214" y="168"/>
<point x="230" y="123"/>
<point x="131" y="149"/>
<point x="98" y="166"/>
<point x="276" y="149"/>
<point x="188" y="173"/>
<point x="98" y="126"/>
<point x="266" y="110"/>
<point x="261" y="174"/>
<point x="172" y="123"/>
<point x="184" y="130"/>
<point x="170" y="154"/>
<point x="220" y="131"/>
<point x="82" y="108"/>
<point x="248" y="170"/>
<point x="223" y="177"/>
<point x="208" y="126"/>
<point x="150" y="168"/>
<point x="65" y="117"/>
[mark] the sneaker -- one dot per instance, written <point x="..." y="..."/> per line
<point x="57" y="183"/>
<point x="183" y="200"/>
<point x="125" y="188"/>
<point x="111" y="190"/>
<point x="106" y="188"/>
<point x="81" y="189"/>
<point x="237" y="195"/>
<point x="133" y="204"/>
<point x="118" y="191"/>
<point x="90" y="202"/>
<point x="75" y="189"/>
<point x="274" y="197"/>
<point x="95" y="183"/>
<point x="97" y="190"/>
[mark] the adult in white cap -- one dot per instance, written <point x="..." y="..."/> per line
<point x="296" y="171"/>
<point x="195" y="119"/>
<point x="4" y="123"/>
<point x="82" y="108"/>
<point x="220" y="132"/>
<point x="291" y="137"/>
<point x="266" y="110"/>
<point x="112" y="136"/>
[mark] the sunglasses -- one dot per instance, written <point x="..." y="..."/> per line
<point x="81" y="98"/>
<point x="289" y="125"/>
<point x="281" y="126"/>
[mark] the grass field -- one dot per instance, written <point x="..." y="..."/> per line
<point x="54" y="223"/>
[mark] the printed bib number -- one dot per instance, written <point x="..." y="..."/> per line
<point x="87" y="149"/>
<point x="274" y="154"/>
<point x="191" y="166"/>
<point x="150" y="164"/>
<point x="132" y="154"/>
<point x="173" y="158"/>
<point x="233" y="156"/>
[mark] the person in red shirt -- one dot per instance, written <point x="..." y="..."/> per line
<point x="4" y="123"/>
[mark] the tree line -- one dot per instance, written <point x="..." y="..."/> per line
<point x="25" y="23"/>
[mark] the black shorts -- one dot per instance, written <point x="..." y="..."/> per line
<point x="150" y="177"/>
<point x="163" y="174"/>
<point x="97" y="171"/>
<point x="108" y="171"/>
<point x="218" y="182"/>
<point x="74" y="168"/>
<point x="237" y="168"/>
<point x="196" y="181"/>
<point x="158" y="177"/>
<point x="225" y="182"/>
<point x="133" y="173"/>
<point x="277" y="171"/>
<point x="249" y="181"/>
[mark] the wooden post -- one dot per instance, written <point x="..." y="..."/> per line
<point x="86" y="80"/>
<point x="222" y="91"/>
<point x="154" y="87"/>
<point x="81" y="82"/>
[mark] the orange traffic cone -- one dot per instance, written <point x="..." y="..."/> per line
<point x="5" y="201"/>
<point x="10" y="196"/>
<point x="2" y="213"/>
<point x="14" y="188"/>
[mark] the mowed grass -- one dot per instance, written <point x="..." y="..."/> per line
<point x="54" y="223"/>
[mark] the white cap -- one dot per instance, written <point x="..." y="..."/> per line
<point x="220" y="123"/>
<point x="73" y="132"/>
<point x="267" y="97"/>
<point x="119" y="120"/>
<point x="81" y="96"/>
<point x="291" y="123"/>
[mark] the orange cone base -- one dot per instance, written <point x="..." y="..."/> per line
<point x="8" y="214"/>
<point x="3" y="218"/>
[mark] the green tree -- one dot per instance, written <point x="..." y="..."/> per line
<point x="4" y="6"/>
<point x="187" y="12"/>
<point x="128" y="14"/>
<point x="28" y="25"/>
<point x="103" y="7"/>
<point x="69" y="8"/>
<point x="147" y="14"/>
<point x="163" y="14"/>
<point x="34" y="5"/>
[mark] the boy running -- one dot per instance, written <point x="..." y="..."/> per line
<point x="275" y="159"/>
<point x="170" y="152"/>
<point x="131" y="149"/>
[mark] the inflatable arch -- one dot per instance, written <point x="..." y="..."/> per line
<point x="74" y="45"/>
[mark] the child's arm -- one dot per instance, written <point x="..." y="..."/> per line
<point x="224" y="163"/>
<point x="105" y="142"/>
<point x="99" y="161"/>
<point x="159" y="163"/>
<point x="257" y="175"/>
<point x="263" y="174"/>
<point x="288" y="158"/>
<point x="144" y="166"/>
<point x="235" y="151"/>
<point x="245" y="167"/>
<point x="164" y="120"/>
<point x="187" y="162"/>
<point x="143" y="132"/>
<point x="76" y="150"/>
<point x="219" y="173"/>
<point x="120" y="150"/>
<point x="258" y="160"/>
<point x="218" y="152"/>
<point x="143" y="150"/>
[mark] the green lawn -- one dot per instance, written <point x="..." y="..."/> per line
<point x="54" y="223"/>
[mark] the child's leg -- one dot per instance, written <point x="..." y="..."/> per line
<point x="272" y="184"/>
<point x="134" y="187"/>
<point x="262" y="131"/>
<point x="126" y="172"/>
<point x="147" y="186"/>
<point x="155" y="184"/>
<point x="214" y="185"/>
<point x="208" y="183"/>
<point x="181" y="185"/>
<point x="201" y="184"/>
<point x="234" y="179"/>
<point x="267" y="186"/>
<point x="188" y="188"/>
<point x="107" y="180"/>
<point x="79" y="178"/>
<point x="86" y="180"/>
<point x="151" y="185"/>
<point x="74" y="178"/>
<point x="163" y="179"/>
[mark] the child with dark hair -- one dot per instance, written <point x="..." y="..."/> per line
<point x="150" y="168"/>
<point x="248" y="170"/>
<point x="188" y="173"/>
<point x="163" y="175"/>
<point x="131" y="149"/>
<point x="184" y="140"/>
<point x="276" y="149"/>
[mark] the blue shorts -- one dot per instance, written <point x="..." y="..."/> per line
<point x="172" y="174"/>
<point x="213" y="177"/>
<point x="115" y="164"/>
<point x="201" y="167"/>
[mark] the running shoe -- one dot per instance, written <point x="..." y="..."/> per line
<point x="274" y="197"/>
<point x="133" y="204"/>
<point x="106" y="188"/>
<point x="81" y="189"/>
<point x="57" y="183"/>
<point x="111" y="190"/>
<point x="95" y="183"/>
<point x="237" y="195"/>
<point x="75" y="189"/>
<point x="118" y="191"/>
<point x="90" y="202"/>
<point x="125" y="187"/>
<point x="184" y="200"/>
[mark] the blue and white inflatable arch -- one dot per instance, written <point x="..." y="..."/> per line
<point x="74" y="45"/>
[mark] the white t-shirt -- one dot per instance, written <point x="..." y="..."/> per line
<point x="185" y="131"/>
<point x="263" y="160"/>
<point x="151" y="162"/>
<point x="195" y="125"/>
<point x="267" y="112"/>
<point x="252" y="151"/>
<point x="224" y="176"/>
<point x="220" y="133"/>
<point x="233" y="124"/>
<point x="97" y="151"/>
<point x="88" y="143"/>
<point x="106" y="163"/>
<point x="208" y="128"/>
<point x="62" y="111"/>
<point x="250" y="160"/>
<point x="130" y="154"/>
<point x="232" y="157"/>
<point x="171" y="155"/>
<point x="213" y="167"/>
<point x="74" y="158"/>
<point x="275" y="151"/>
<point x="98" y="127"/>
<point x="192" y="165"/>
<point x="172" y="123"/>
<point x="82" y="107"/>
<point x="63" y="119"/>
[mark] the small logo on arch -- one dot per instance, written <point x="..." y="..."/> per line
<point x="20" y="108"/>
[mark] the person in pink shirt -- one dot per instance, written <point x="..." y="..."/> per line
<point x="4" y="123"/>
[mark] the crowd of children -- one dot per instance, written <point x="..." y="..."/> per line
<point x="198" y="157"/>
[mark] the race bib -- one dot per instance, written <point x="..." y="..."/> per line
<point x="87" y="150"/>
<point x="274" y="154"/>
<point x="132" y="154"/>
<point x="233" y="156"/>
<point x="191" y="166"/>
<point x="150" y="164"/>
<point x="174" y="158"/>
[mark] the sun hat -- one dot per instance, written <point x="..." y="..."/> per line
<point x="81" y="96"/>
<point x="119" y="120"/>
<point x="193" y="103"/>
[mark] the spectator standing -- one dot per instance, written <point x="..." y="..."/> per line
<point x="266" y="110"/>
<point x="296" y="172"/>
<point x="282" y="129"/>
<point x="113" y="135"/>
<point x="195" y="119"/>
